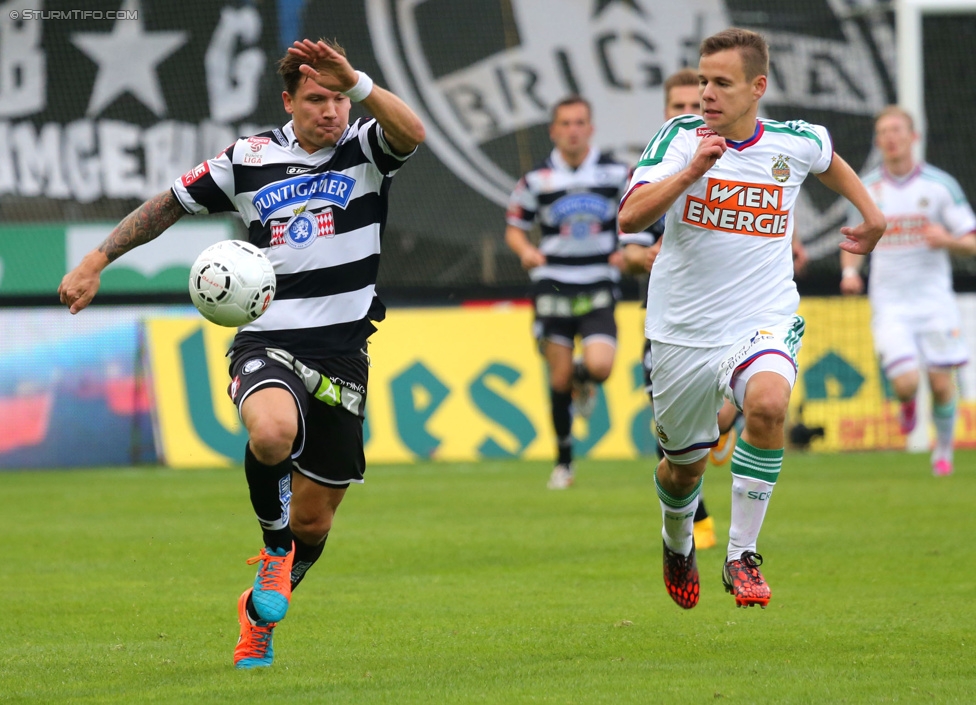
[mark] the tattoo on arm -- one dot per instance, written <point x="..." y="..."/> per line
<point x="145" y="223"/>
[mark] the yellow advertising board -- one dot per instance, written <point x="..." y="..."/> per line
<point x="841" y="387"/>
<point x="467" y="383"/>
<point x="451" y="384"/>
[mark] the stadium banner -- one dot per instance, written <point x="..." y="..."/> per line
<point x="73" y="392"/>
<point x="85" y="136"/>
<point x="464" y="384"/>
<point x="160" y="266"/>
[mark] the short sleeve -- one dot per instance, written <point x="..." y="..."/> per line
<point x="522" y="206"/>
<point x="209" y="186"/>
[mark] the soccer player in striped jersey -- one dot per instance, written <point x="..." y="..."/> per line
<point x="915" y="319"/>
<point x="572" y="195"/>
<point x="721" y="314"/>
<point x="313" y="195"/>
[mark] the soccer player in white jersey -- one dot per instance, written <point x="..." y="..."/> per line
<point x="722" y="302"/>
<point x="639" y="252"/>
<point x="572" y="195"/>
<point x="299" y="373"/>
<point x="915" y="319"/>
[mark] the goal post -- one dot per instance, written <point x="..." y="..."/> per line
<point x="910" y="63"/>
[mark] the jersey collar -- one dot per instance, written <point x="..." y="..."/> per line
<point x="289" y="131"/>
<point x="901" y="180"/>
<point x="590" y="159"/>
<point x="756" y="136"/>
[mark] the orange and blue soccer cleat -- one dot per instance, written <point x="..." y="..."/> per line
<point x="681" y="577"/>
<point x="254" y="649"/>
<point x="272" y="585"/>
<point x="742" y="579"/>
<point x="584" y="398"/>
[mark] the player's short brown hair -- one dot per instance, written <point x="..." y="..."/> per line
<point x="752" y="46"/>
<point x="289" y="63"/>
<point x="684" y="77"/>
<point x="573" y="99"/>
<point x="895" y="110"/>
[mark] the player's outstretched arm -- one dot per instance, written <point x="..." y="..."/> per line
<point x="862" y="238"/>
<point x="401" y="126"/>
<point x="145" y="223"/>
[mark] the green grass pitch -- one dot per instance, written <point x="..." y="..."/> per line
<point x="472" y="583"/>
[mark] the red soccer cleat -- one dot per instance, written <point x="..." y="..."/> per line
<point x="681" y="577"/>
<point x="742" y="578"/>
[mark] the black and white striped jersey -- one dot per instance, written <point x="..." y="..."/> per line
<point x="577" y="214"/>
<point x="319" y="218"/>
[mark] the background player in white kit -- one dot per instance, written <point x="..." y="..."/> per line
<point x="915" y="319"/>
<point x="722" y="302"/>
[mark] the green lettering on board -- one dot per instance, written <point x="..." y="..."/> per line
<point x="412" y="411"/>
<point x="199" y="399"/>
<point x="501" y="411"/>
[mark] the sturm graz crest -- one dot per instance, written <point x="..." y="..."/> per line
<point x="484" y="74"/>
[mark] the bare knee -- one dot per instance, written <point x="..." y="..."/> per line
<point x="271" y="443"/>
<point x="600" y="371"/>
<point x="311" y="528"/>
<point x="313" y="508"/>
<point x="271" y="419"/>
<point x="680" y="480"/>
<point x="767" y="410"/>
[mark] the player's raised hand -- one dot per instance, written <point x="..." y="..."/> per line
<point x="861" y="238"/>
<point x="936" y="236"/>
<point x="324" y="65"/>
<point x="709" y="151"/>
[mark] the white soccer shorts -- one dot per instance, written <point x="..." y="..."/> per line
<point x="690" y="384"/>
<point x="903" y="344"/>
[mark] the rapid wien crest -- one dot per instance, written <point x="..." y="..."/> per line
<point x="484" y="74"/>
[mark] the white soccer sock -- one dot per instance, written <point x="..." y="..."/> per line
<point x="678" y="516"/>
<point x="754" y="474"/>
<point x="944" y="419"/>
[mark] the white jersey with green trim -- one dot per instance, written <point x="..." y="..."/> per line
<point x="726" y="265"/>
<point x="909" y="278"/>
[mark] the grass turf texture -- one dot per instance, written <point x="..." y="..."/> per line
<point x="447" y="583"/>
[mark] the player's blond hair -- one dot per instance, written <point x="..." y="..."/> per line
<point x="289" y="63"/>
<point x="751" y="45"/>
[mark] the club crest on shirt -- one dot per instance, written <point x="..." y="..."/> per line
<point x="781" y="168"/>
<point x="301" y="231"/>
<point x="660" y="432"/>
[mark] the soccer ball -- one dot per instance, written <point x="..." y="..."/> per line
<point x="232" y="283"/>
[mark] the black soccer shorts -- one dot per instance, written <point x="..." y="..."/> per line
<point x="328" y="447"/>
